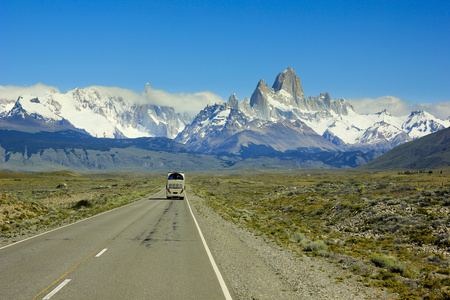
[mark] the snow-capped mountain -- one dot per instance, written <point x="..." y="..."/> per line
<point x="100" y="111"/>
<point x="222" y="129"/>
<point x="281" y="117"/>
<point x="277" y="118"/>
<point x="421" y="123"/>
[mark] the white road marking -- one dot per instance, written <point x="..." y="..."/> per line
<point x="222" y="283"/>
<point x="101" y="252"/>
<point x="67" y="225"/>
<point x="59" y="287"/>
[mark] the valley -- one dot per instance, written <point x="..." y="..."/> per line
<point x="312" y="138"/>
<point x="389" y="230"/>
<point x="277" y="124"/>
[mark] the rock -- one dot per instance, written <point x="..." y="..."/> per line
<point x="289" y="82"/>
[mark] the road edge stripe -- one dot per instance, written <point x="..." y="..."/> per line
<point x="222" y="283"/>
<point x="67" y="225"/>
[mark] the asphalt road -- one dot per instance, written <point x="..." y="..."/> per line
<point x="150" y="249"/>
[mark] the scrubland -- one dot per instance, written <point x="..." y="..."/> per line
<point x="32" y="203"/>
<point x="391" y="230"/>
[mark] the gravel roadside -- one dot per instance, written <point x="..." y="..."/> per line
<point x="255" y="269"/>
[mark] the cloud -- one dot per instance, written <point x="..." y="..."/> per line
<point x="11" y="92"/>
<point x="439" y="109"/>
<point x="395" y="105"/>
<point x="398" y="107"/>
<point x="182" y="102"/>
<point x="192" y="103"/>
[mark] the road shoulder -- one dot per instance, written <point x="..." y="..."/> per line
<point x="255" y="269"/>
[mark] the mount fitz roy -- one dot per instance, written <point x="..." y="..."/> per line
<point x="282" y="119"/>
<point x="277" y="121"/>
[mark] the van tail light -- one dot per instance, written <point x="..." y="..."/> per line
<point x="181" y="192"/>
<point x="168" y="191"/>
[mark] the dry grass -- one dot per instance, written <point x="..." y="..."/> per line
<point x="31" y="203"/>
<point x="392" y="230"/>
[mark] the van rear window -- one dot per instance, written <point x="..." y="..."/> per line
<point x="175" y="177"/>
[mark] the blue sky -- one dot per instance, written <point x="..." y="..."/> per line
<point x="351" y="49"/>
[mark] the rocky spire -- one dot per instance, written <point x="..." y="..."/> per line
<point x="289" y="82"/>
<point x="258" y="100"/>
<point x="233" y="101"/>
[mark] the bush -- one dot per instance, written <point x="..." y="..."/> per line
<point x="388" y="262"/>
<point x="324" y="253"/>
<point x="380" y="260"/>
<point x="315" y="246"/>
<point x="296" y="237"/>
<point x="443" y="240"/>
<point x="82" y="203"/>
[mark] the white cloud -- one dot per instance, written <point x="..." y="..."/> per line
<point x="440" y="110"/>
<point x="11" y="92"/>
<point x="192" y="103"/>
<point x="183" y="102"/>
<point x="398" y="107"/>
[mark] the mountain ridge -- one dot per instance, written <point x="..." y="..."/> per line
<point x="275" y="121"/>
<point x="428" y="152"/>
<point x="80" y="152"/>
<point x="100" y="111"/>
<point x="330" y="120"/>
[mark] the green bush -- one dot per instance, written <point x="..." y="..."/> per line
<point x="381" y="260"/>
<point x="296" y="237"/>
<point x="388" y="262"/>
<point x="315" y="246"/>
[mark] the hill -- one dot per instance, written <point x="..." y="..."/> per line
<point x="78" y="152"/>
<point x="429" y="152"/>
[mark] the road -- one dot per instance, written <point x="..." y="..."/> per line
<point x="150" y="249"/>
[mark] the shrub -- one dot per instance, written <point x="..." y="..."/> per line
<point x="296" y="237"/>
<point x="443" y="240"/>
<point x="324" y="253"/>
<point x="388" y="262"/>
<point x="82" y="203"/>
<point x="315" y="246"/>
<point x="381" y="260"/>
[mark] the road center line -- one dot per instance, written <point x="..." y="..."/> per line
<point x="101" y="252"/>
<point x="57" y="289"/>
<point x="222" y="283"/>
<point x="76" y="266"/>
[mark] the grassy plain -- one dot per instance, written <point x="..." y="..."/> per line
<point x="32" y="203"/>
<point x="392" y="230"/>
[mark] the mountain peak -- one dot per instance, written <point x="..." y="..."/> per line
<point x="290" y="82"/>
<point x="233" y="101"/>
<point x="418" y="113"/>
<point x="289" y="70"/>
<point x="326" y="98"/>
<point x="17" y="110"/>
<point x="383" y="112"/>
<point x="261" y="84"/>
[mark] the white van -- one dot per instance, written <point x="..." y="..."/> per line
<point x="175" y="185"/>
